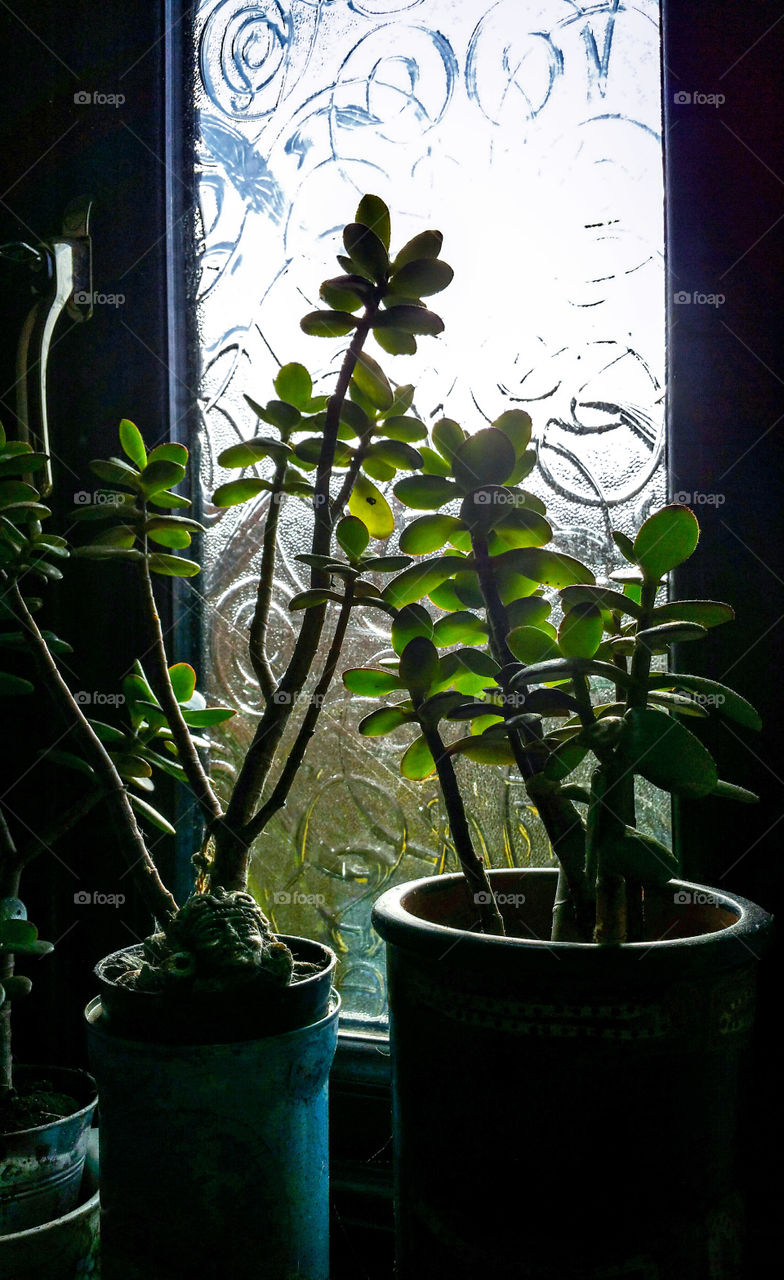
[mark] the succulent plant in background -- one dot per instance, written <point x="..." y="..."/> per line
<point x="328" y="451"/>
<point x="538" y="697"/>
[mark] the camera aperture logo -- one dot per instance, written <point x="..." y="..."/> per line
<point x="483" y="898"/>
<point x="99" y="498"/>
<point x="698" y="99"/>
<point x="298" y="899"/>
<point x="83" y="298"/>
<point x="95" y="898"/>
<point x="94" y="98"/>
<point x="94" y="698"/>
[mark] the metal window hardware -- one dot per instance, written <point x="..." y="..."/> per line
<point x="63" y="279"/>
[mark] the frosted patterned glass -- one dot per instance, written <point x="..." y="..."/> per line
<point x="529" y="132"/>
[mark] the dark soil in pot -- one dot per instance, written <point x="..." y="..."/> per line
<point x="564" y="1110"/>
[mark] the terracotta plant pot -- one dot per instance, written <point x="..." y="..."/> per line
<point x="214" y="1155"/>
<point x="565" y="1110"/>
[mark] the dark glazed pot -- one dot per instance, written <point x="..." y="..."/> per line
<point x="566" y="1111"/>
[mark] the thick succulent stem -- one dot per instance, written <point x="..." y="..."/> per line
<point x="473" y="867"/>
<point x="559" y="816"/>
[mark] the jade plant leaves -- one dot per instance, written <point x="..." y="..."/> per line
<point x="370" y="506"/>
<point x="668" y="754"/>
<point x="353" y="537"/>
<point x="580" y="632"/>
<point x="419" y="667"/>
<point x="418" y="762"/>
<point x="410" y="622"/>
<point x="428" y="534"/>
<point x="133" y="444"/>
<point x="426" y="493"/>
<point x="665" y="540"/>
<point x="488" y="457"/>
<point x="372" y="212"/>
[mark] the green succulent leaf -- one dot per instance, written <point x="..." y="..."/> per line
<point x="665" y="540"/>
<point x="411" y="622"/>
<point x="461" y="627"/>
<point x="426" y="493"/>
<point x="371" y="682"/>
<point x="249" y="452"/>
<point x="419" y="667"/>
<point x="207" y="717"/>
<point x="730" y="791"/>
<point x="604" y="597"/>
<point x="447" y="436"/>
<point x="624" y="545"/>
<point x="401" y="427"/>
<point x="12" y="686"/>
<point x="484" y="750"/>
<point x="533" y="644"/>
<point x="367" y="250"/>
<point x="370" y="506"/>
<point x="417" y="762"/>
<point x="352" y="536"/>
<point x="658" y="638"/>
<point x="160" y="474"/>
<point x="531" y="611"/>
<point x="395" y="342"/>
<point x="640" y="857"/>
<point x="385" y="564"/>
<point x="418" y="581"/>
<point x="113" y="471"/>
<point x="409" y="319"/>
<point x="22" y="464"/>
<point x="517" y="425"/>
<point x="328" y="324"/>
<point x="580" y="632"/>
<point x="383" y="721"/>
<point x="396" y="453"/>
<point x="133" y="444"/>
<point x="373" y="213"/>
<point x="373" y="382"/>
<point x="711" y="693"/>
<point x="294" y="384"/>
<point x="183" y="681"/>
<point x="707" y="613"/>
<point x="312" y="598"/>
<point x="428" y="534"/>
<point x="488" y="457"/>
<point x="422" y="277"/>
<point x="425" y="245"/>
<point x="237" y="491"/>
<point x="668" y="754"/>
<point x="551" y="568"/>
<point x="152" y="815"/>
<point x="172" y="566"/>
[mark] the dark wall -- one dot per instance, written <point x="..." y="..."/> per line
<point x="56" y="145"/>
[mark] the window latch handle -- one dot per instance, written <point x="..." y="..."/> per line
<point x="64" y="282"/>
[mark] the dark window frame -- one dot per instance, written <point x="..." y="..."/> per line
<point x="723" y="166"/>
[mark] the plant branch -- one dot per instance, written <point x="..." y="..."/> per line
<point x="157" y="898"/>
<point x="187" y="753"/>
<point x="308" y="727"/>
<point x="473" y="867"/>
<point x="257" y="642"/>
<point x="230" y="863"/>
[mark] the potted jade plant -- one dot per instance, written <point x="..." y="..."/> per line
<point x="211" y="1041"/>
<point x="568" y="1045"/>
<point x="45" y="1112"/>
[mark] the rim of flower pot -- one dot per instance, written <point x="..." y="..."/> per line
<point x="402" y="916"/>
<point x="250" y="1012"/>
<point x="93" y="1016"/>
<point x="65" y="1078"/>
